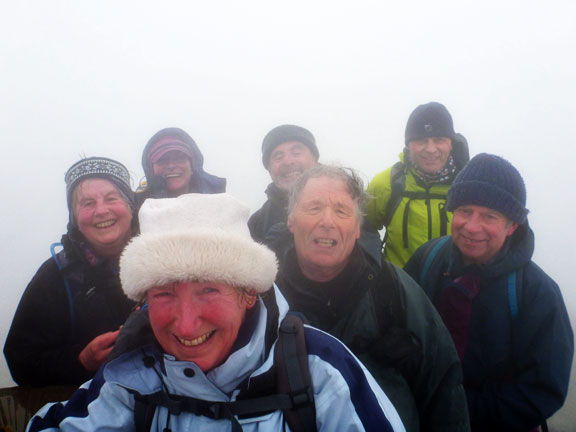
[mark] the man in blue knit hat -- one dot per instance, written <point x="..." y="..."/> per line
<point x="506" y="316"/>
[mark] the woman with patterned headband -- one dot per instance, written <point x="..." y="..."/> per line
<point x="68" y="318"/>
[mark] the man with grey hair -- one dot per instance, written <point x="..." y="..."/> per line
<point x="376" y="309"/>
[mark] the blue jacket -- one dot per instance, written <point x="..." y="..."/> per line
<point x="346" y="396"/>
<point x="516" y="370"/>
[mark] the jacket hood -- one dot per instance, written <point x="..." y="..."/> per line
<point x="277" y="195"/>
<point x="516" y="253"/>
<point x="203" y="182"/>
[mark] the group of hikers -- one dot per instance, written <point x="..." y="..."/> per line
<point x="173" y="309"/>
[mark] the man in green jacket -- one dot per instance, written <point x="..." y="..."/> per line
<point x="376" y="309"/>
<point x="410" y="196"/>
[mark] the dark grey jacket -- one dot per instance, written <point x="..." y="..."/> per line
<point x="411" y="355"/>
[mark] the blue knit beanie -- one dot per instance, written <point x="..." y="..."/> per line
<point x="490" y="181"/>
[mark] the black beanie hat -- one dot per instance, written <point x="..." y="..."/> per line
<point x="429" y="120"/>
<point x="490" y="181"/>
<point x="285" y="133"/>
<point x="98" y="167"/>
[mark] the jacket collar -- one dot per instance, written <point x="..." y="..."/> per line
<point x="277" y="195"/>
<point x="311" y="297"/>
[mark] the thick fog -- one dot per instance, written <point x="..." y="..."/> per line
<point x="99" y="78"/>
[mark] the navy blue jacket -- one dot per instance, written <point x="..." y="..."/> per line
<point x="516" y="370"/>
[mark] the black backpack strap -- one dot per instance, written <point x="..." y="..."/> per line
<point x="443" y="219"/>
<point x="397" y="187"/>
<point x="143" y="413"/>
<point x="293" y="374"/>
<point x="396" y="346"/>
<point x="398" y="191"/>
<point x="145" y="408"/>
<point x="426" y="196"/>
<point x="385" y="292"/>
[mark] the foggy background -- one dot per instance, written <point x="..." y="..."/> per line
<point x="83" y="78"/>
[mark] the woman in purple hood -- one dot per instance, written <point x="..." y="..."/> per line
<point x="173" y="165"/>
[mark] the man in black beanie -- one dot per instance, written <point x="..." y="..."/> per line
<point x="287" y="151"/>
<point x="506" y="316"/>
<point x="410" y="196"/>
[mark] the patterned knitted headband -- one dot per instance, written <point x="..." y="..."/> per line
<point x="99" y="167"/>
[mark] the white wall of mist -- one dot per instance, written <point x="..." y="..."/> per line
<point x="99" y="78"/>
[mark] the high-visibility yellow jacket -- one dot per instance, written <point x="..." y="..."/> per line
<point x="420" y="214"/>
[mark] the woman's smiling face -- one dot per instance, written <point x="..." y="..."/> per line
<point x="197" y="321"/>
<point x="103" y="216"/>
<point x="176" y="169"/>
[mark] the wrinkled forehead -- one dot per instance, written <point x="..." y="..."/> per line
<point x="328" y="192"/>
<point x="325" y="189"/>
<point x="473" y="208"/>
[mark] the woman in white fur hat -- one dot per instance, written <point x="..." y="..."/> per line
<point x="201" y="354"/>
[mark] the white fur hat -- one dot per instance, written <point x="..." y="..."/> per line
<point x="195" y="237"/>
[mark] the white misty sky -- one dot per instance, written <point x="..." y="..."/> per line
<point x="99" y="78"/>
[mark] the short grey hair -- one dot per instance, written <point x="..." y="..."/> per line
<point x="348" y="176"/>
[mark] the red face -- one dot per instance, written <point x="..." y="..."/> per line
<point x="197" y="321"/>
<point x="103" y="216"/>
<point x="289" y="160"/>
<point x="176" y="169"/>
<point x="325" y="227"/>
<point x="430" y="154"/>
<point x="480" y="232"/>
